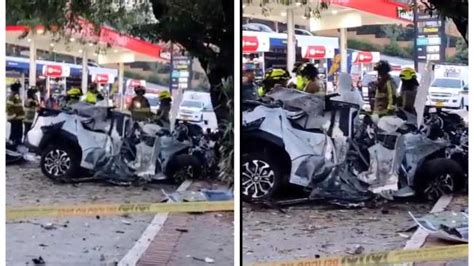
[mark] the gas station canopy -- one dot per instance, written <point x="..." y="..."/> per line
<point x="340" y="13"/>
<point x="106" y="47"/>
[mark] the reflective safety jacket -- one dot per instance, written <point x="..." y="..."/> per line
<point x="140" y="108"/>
<point x="15" y="108"/>
<point x="91" y="97"/>
<point x="31" y="106"/>
<point x="385" y="96"/>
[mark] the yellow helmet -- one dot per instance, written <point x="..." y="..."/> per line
<point x="74" y="92"/>
<point x="408" y="73"/>
<point x="164" y="95"/>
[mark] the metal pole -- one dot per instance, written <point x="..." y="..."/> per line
<point x="84" y="71"/>
<point x="415" y="27"/>
<point x="120" y="84"/>
<point x="32" y="74"/>
<point x="343" y="49"/>
<point x="291" y="47"/>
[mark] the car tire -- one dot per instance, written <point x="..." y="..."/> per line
<point x="60" y="163"/>
<point x="461" y="106"/>
<point x="184" y="167"/>
<point x="251" y="184"/>
<point x="438" y="177"/>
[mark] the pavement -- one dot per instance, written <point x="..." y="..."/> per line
<point x="75" y="240"/>
<point x="105" y="240"/>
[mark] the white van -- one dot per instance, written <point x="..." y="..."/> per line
<point x="447" y="92"/>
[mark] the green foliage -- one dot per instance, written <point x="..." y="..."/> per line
<point x="226" y="150"/>
<point x="462" y="54"/>
<point x="394" y="49"/>
<point x="363" y="45"/>
<point x="392" y="32"/>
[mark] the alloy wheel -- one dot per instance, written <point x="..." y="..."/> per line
<point x="57" y="162"/>
<point x="258" y="178"/>
<point x="441" y="185"/>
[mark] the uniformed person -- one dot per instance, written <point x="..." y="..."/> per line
<point x="310" y="82"/>
<point x="73" y="96"/>
<point x="409" y="89"/>
<point x="31" y="106"/>
<point x="274" y="77"/>
<point x="385" y="91"/>
<point x="93" y="95"/>
<point x="15" y="113"/>
<point x="163" y="112"/>
<point x="139" y="106"/>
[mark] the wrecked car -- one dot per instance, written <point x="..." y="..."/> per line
<point x="320" y="144"/>
<point x="106" y="144"/>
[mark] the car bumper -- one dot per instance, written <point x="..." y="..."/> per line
<point x="444" y="103"/>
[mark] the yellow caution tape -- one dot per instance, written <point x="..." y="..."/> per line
<point x="382" y="258"/>
<point x="116" y="209"/>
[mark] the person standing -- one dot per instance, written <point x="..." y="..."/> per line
<point x="15" y="114"/>
<point x="311" y="82"/>
<point x="31" y="106"/>
<point x="274" y="77"/>
<point x="93" y="95"/>
<point x="409" y="89"/>
<point x="163" y="113"/>
<point x="385" y="91"/>
<point x="249" y="88"/>
<point x="140" y="107"/>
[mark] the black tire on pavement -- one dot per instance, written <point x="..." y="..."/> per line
<point x="60" y="163"/>
<point x="184" y="166"/>
<point x="438" y="177"/>
<point x="261" y="177"/>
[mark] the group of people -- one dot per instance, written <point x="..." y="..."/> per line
<point x="383" y="96"/>
<point x="21" y="114"/>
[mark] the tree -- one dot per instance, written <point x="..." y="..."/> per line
<point x="206" y="30"/>
<point x="457" y="10"/>
<point x="462" y="53"/>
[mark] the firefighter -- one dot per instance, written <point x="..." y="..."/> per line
<point x="93" y="95"/>
<point x="139" y="106"/>
<point x="385" y="91"/>
<point x="296" y="81"/>
<point x="275" y="77"/>
<point x="409" y="89"/>
<point x="310" y="82"/>
<point x="73" y="96"/>
<point x="31" y="106"/>
<point x="163" y="113"/>
<point x="15" y="114"/>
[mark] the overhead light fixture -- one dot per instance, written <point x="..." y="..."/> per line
<point x="91" y="44"/>
<point x="115" y="51"/>
<point x="244" y="6"/>
<point x="40" y="30"/>
<point x="72" y="39"/>
<point x="283" y="14"/>
<point x="80" y="51"/>
<point x="334" y="12"/>
<point x="298" y="3"/>
<point x="29" y="40"/>
<point x="51" y="44"/>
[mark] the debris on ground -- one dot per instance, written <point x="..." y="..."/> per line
<point x="181" y="230"/>
<point x="203" y="195"/>
<point x="446" y="225"/>
<point x="357" y="250"/>
<point x="39" y="261"/>
<point x="49" y="226"/>
<point x="126" y="222"/>
<point x="206" y="259"/>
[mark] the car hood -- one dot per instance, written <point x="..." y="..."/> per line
<point x="189" y="110"/>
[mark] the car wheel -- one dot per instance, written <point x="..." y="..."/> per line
<point x="461" y="106"/>
<point x="438" y="177"/>
<point x="184" y="167"/>
<point x="261" y="177"/>
<point x="60" y="163"/>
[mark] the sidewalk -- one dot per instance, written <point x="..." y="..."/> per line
<point x="188" y="239"/>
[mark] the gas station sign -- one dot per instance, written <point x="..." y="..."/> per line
<point x="56" y="71"/>
<point x="430" y="37"/>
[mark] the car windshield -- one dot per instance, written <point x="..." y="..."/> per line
<point x="447" y="83"/>
<point x="367" y="79"/>
<point x="153" y="101"/>
<point x="192" y="104"/>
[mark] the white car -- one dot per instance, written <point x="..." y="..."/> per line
<point x="190" y="110"/>
<point x="154" y="102"/>
<point x="446" y="92"/>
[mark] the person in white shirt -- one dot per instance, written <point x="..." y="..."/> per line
<point x="348" y="93"/>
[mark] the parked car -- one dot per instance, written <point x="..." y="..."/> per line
<point x="256" y="27"/>
<point x="191" y="110"/>
<point x="301" y="32"/>
<point x="446" y="93"/>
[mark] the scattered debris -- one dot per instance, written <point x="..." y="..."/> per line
<point x="102" y="257"/>
<point x="403" y="235"/>
<point x="49" y="226"/>
<point x="126" y="222"/>
<point x="358" y="249"/>
<point x="385" y="211"/>
<point x="97" y="217"/>
<point x="206" y="259"/>
<point x="182" y="230"/>
<point x="446" y="225"/>
<point x="119" y="232"/>
<point x="43" y="245"/>
<point x="39" y="261"/>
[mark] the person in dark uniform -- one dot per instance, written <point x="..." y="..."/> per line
<point x="249" y="88"/>
<point x="31" y="106"/>
<point x="163" y="112"/>
<point x="139" y="106"/>
<point x="15" y="113"/>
